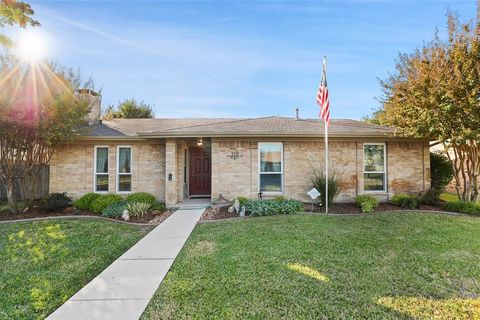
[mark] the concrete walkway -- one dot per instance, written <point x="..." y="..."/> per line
<point x="123" y="290"/>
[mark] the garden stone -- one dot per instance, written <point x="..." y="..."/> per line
<point x="125" y="215"/>
<point x="236" y="205"/>
<point x="231" y="209"/>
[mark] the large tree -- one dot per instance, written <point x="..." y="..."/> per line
<point x="39" y="109"/>
<point x="435" y="92"/>
<point x="129" y="109"/>
<point x="15" y="13"/>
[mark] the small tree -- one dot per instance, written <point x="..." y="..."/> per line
<point x="435" y="92"/>
<point x="35" y="117"/>
<point x="129" y="109"/>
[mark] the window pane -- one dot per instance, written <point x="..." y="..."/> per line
<point x="374" y="158"/>
<point x="102" y="183"/>
<point x="125" y="183"/>
<point x="124" y="160"/>
<point x="102" y="160"/>
<point x="271" y="182"/>
<point x="374" y="182"/>
<point x="270" y="157"/>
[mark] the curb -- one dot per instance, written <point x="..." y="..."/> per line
<point x="80" y="218"/>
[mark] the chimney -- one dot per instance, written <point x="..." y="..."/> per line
<point x="95" y="100"/>
<point x="297" y="114"/>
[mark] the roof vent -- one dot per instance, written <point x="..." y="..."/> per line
<point x="297" y="114"/>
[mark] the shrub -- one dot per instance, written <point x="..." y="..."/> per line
<point x="85" y="201"/>
<point x="243" y="201"/>
<point x="104" y="201"/>
<point x="405" y="201"/>
<point x="56" y="201"/>
<point x="158" y="207"/>
<point x="319" y="182"/>
<point x="141" y="197"/>
<point x="137" y="209"/>
<point x="367" y="203"/>
<point x="463" y="207"/>
<point x="114" y="210"/>
<point x="441" y="171"/>
<point x="272" y="207"/>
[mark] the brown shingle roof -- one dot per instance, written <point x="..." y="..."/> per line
<point x="265" y="126"/>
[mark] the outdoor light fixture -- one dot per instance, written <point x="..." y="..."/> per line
<point x="200" y="142"/>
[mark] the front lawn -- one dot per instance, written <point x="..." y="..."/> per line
<point x="394" y="265"/>
<point x="43" y="263"/>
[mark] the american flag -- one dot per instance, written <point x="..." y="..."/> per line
<point x="322" y="98"/>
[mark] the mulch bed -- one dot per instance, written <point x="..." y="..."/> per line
<point x="352" y="208"/>
<point x="220" y="213"/>
<point x="153" y="217"/>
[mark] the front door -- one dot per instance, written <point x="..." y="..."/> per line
<point x="200" y="176"/>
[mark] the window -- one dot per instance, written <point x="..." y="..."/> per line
<point x="374" y="168"/>
<point x="101" y="169"/>
<point x="271" y="167"/>
<point x="124" y="169"/>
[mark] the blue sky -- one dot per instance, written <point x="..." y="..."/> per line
<point x="233" y="58"/>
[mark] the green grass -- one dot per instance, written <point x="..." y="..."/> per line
<point x="42" y="264"/>
<point x="449" y="197"/>
<point x="388" y="266"/>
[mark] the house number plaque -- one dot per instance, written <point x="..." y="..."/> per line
<point x="234" y="155"/>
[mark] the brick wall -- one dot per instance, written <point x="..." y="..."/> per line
<point x="71" y="168"/>
<point x="407" y="167"/>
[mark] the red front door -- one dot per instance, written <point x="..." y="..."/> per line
<point x="200" y="176"/>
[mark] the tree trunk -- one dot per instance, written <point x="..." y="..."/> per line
<point x="12" y="201"/>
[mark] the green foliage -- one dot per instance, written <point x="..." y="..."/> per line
<point x="441" y="171"/>
<point x="56" y="201"/>
<point x="367" y="203"/>
<point x="158" y="206"/>
<point x="15" y="13"/>
<point x="137" y="209"/>
<point x="114" y="210"/>
<point x="141" y="197"/>
<point x="463" y="207"/>
<point x="319" y="182"/>
<point x="406" y="201"/>
<point x="85" y="202"/>
<point x="129" y="109"/>
<point x="273" y="207"/>
<point x="242" y="200"/>
<point x="102" y="202"/>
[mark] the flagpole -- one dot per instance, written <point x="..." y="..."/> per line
<point x="326" y="147"/>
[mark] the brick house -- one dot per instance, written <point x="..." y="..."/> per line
<point x="176" y="159"/>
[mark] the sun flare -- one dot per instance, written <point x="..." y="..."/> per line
<point x="32" y="46"/>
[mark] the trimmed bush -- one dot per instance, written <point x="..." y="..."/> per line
<point x="56" y="201"/>
<point x="114" y="210"/>
<point x="463" y="207"/>
<point x="405" y="201"/>
<point x="319" y="182"/>
<point x="138" y="209"/>
<point x="441" y="171"/>
<point x="141" y="197"/>
<point x="104" y="201"/>
<point x="367" y="203"/>
<point x="272" y="207"/>
<point x="158" y="206"/>
<point x="85" y="201"/>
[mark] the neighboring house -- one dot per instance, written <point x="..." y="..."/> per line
<point x="224" y="158"/>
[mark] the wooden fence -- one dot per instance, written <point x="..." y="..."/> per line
<point x="42" y="181"/>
